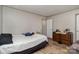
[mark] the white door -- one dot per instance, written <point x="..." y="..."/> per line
<point x="0" y="19"/>
<point x="77" y="28"/>
<point x="49" y="28"/>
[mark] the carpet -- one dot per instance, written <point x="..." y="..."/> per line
<point x="53" y="48"/>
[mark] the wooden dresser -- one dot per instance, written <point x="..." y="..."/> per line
<point x="63" y="38"/>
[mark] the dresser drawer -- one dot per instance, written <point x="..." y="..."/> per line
<point x="66" y="39"/>
<point x="64" y="36"/>
<point x="66" y="42"/>
<point x="56" y="37"/>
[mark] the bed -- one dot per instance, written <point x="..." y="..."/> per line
<point x="24" y="44"/>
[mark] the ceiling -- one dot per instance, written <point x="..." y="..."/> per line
<point x="45" y="10"/>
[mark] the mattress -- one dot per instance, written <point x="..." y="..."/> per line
<point x="21" y="42"/>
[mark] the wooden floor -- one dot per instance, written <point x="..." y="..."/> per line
<point x="53" y="48"/>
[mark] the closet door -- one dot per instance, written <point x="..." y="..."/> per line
<point x="49" y="28"/>
<point x="0" y="19"/>
<point x="77" y="28"/>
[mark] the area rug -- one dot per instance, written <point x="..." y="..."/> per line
<point x="53" y="48"/>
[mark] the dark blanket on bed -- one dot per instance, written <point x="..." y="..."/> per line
<point x="5" y="39"/>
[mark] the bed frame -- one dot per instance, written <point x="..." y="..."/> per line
<point x="33" y="49"/>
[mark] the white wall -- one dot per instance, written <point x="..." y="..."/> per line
<point x="65" y="20"/>
<point x="17" y="22"/>
<point x="0" y="18"/>
<point x="44" y="27"/>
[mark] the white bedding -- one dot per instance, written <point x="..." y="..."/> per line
<point x="21" y="42"/>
